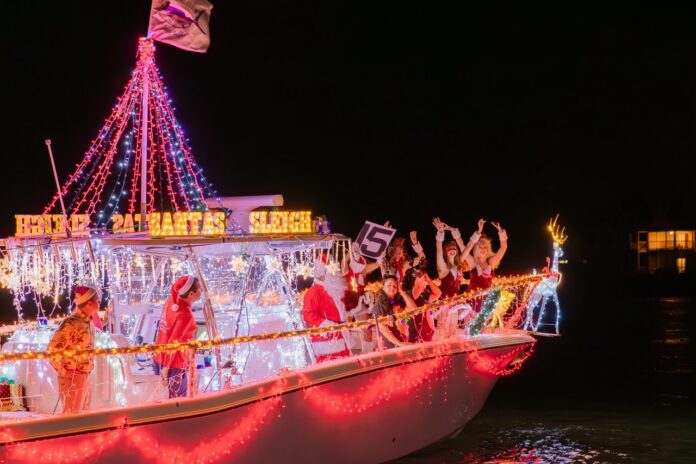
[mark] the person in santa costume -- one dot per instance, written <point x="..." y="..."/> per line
<point x="357" y="303"/>
<point x="423" y="291"/>
<point x="483" y="264"/>
<point x="450" y="266"/>
<point x="76" y="332"/>
<point x="398" y="261"/>
<point x="320" y="310"/>
<point x="177" y="325"/>
<point x="484" y="261"/>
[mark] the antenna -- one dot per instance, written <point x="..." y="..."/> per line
<point x="60" y="194"/>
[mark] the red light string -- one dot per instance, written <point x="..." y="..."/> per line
<point x="172" y="170"/>
<point x="95" y="152"/>
<point x="220" y="448"/>
<point x="500" y="365"/>
<point x="168" y="151"/>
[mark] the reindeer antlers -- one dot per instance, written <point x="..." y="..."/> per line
<point x="557" y="233"/>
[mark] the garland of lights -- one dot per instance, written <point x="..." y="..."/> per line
<point x="380" y="389"/>
<point x="222" y="447"/>
<point x="150" y="447"/>
<point x="500" y="365"/>
<point x="209" y="344"/>
<point x="486" y="310"/>
<point x="501" y="307"/>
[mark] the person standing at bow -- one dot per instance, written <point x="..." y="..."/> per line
<point x="76" y="332"/>
<point x="177" y="325"/>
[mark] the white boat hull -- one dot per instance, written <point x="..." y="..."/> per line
<point x="366" y="409"/>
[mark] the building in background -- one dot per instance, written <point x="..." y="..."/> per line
<point x="671" y="251"/>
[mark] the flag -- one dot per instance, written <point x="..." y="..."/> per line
<point x="182" y="23"/>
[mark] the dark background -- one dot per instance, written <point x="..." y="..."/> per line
<point x="383" y="110"/>
<point x="404" y="111"/>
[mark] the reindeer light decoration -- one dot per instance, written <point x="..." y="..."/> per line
<point x="546" y="290"/>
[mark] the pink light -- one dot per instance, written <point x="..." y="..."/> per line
<point x="385" y="386"/>
<point x="151" y="447"/>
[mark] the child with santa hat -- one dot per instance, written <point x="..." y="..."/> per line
<point x="177" y="325"/>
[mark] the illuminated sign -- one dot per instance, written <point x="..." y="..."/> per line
<point x="123" y="223"/>
<point x="280" y="222"/>
<point x="186" y="224"/>
<point x="166" y="224"/>
<point x="32" y="225"/>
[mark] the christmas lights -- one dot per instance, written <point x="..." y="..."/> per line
<point x="149" y="447"/>
<point x="181" y="224"/>
<point x="107" y="180"/>
<point x="546" y="290"/>
<point x="385" y="386"/>
<point x="489" y="305"/>
<point x="280" y="222"/>
<point x="504" y="364"/>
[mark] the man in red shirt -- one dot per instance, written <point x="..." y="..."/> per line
<point x="177" y="325"/>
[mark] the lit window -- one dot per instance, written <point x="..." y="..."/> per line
<point x="681" y="265"/>
<point x="685" y="239"/>
<point x="657" y="240"/>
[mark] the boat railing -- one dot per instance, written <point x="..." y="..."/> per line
<point x="499" y="308"/>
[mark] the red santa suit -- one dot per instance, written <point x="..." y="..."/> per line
<point x="354" y="277"/>
<point x="450" y="283"/>
<point x="481" y="278"/>
<point x="320" y="310"/>
<point x="177" y="324"/>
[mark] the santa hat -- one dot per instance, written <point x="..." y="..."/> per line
<point x="84" y="293"/>
<point x="182" y="285"/>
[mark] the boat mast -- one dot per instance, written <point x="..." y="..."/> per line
<point x="144" y="121"/>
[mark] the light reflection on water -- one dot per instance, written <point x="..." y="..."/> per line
<point x="582" y="435"/>
<point x="542" y="444"/>
<point x="656" y="425"/>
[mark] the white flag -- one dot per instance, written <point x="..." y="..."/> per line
<point x="182" y="23"/>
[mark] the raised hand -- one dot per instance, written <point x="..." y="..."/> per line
<point x="497" y="226"/>
<point x="414" y="237"/>
<point x="439" y="225"/>
<point x="481" y="223"/>
<point x="386" y="224"/>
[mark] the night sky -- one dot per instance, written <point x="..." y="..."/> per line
<point x="381" y="110"/>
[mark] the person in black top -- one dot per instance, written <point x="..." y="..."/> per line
<point x="395" y="333"/>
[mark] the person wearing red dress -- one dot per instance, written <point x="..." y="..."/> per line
<point x="177" y="325"/>
<point x="484" y="261"/>
<point x="450" y="267"/>
<point x="357" y="303"/>
<point x="483" y="264"/>
<point x="320" y="310"/>
<point x="423" y="291"/>
<point x="395" y="332"/>
<point x="398" y="261"/>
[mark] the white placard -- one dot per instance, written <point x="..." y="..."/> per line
<point x="374" y="239"/>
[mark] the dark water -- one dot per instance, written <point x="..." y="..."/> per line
<point x="619" y="386"/>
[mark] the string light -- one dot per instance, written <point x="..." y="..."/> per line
<point x="216" y="448"/>
<point x="504" y="364"/>
<point x="109" y="173"/>
<point x="386" y="386"/>
<point x="209" y="344"/>
<point x="546" y="290"/>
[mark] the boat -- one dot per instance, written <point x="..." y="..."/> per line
<point x="256" y="391"/>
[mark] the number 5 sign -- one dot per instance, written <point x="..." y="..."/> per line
<point x="373" y="239"/>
